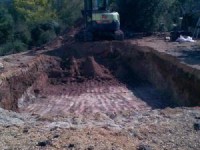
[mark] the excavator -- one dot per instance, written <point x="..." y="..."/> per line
<point x="100" y="21"/>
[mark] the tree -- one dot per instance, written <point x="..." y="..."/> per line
<point x="189" y="6"/>
<point x="34" y="11"/>
<point x="69" y="11"/>
<point x="6" y="26"/>
<point x="191" y="13"/>
<point x="27" y="23"/>
<point x="147" y="15"/>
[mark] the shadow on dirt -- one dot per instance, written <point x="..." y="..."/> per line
<point x="190" y="57"/>
<point x="150" y="95"/>
<point x="87" y="63"/>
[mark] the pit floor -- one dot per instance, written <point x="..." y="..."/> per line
<point x="94" y="97"/>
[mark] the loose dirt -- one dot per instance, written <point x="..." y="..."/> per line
<point x="85" y="96"/>
<point x="83" y="84"/>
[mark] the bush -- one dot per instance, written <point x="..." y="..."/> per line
<point x="5" y="49"/>
<point x="19" y="46"/>
<point x="6" y="26"/>
<point x="46" y="36"/>
<point x="190" y="21"/>
<point x="44" y="32"/>
<point x="69" y="11"/>
<point x="22" y="33"/>
<point x="12" y="47"/>
<point x="148" y="15"/>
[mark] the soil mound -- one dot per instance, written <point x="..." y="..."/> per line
<point x="74" y="67"/>
<point x="91" y="69"/>
<point x="84" y="68"/>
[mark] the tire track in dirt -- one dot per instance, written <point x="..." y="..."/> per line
<point x="94" y="89"/>
<point x="101" y="99"/>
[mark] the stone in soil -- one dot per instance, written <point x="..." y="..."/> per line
<point x="43" y="143"/>
<point x="71" y="145"/>
<point x="197" y="126"/>
<point x="144" y="147"/>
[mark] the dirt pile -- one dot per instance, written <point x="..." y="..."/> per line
<point x="92" y="69"/>
<point x="79" y="70"/>
<point x="16" y="81"/>
<point x="74" y="67"/>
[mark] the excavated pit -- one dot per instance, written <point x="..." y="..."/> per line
<point x="100" y="77"/>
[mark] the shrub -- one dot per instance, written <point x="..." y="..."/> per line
<point x="44" y="32"/>
<point x="46" y="36"/>
<point x="12" y="47"/>
<point x="148" y="15"/>
<point x="22" y="33"/>
<point x="6" y="25"/>
<point x="5" y="48"/>
<point x="18" y="46"/>
<point x="69" y="11"/>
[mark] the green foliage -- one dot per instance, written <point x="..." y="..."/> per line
<point x="147" y="15"/>
<point x="191" y="13"/>
<point x="188" y="6"/>
<point x="5" y="48"/>
<point x="18" y="46"/>
<point x="22" y="33"/>
<point x="34" y="11"/>
<point x="44" y="32"/>
<point x="46" y="36"/>
<point x="6" y="22"/>
<point x="69" y="11"/>
<point x="12" y="47"/>
<point x="35" y="22"/>
<point x="29" y="23"/>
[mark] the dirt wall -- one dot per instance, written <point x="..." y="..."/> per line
<point x="15" y="82"/>
<point x="175" y="79"/>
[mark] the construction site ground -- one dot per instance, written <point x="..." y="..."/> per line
<point x="72" y="95"/>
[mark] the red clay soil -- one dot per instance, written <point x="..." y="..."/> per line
<point x="78" y="78"/>
<point x="75" y="81"/>
<point x="86" y="68"/>
<point x="78" y="86"/>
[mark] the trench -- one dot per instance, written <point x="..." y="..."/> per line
<point x="86" y="78"/>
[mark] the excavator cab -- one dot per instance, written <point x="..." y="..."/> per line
<point x="100" y="21"/>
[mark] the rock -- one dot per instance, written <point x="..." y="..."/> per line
<point x="43" y="143"/>
<point x="138" y="135"/>
<point x="71" y="146"/>
<point x="197" y="117"/>
<point x="76" y="120"/>
<point x="1" y="66"/>
<point x="54" y="128"/>
<point x="36" y="91"/>
<point x="144" y="147"/>
<point x="197" y="126"/>
<point x="25" y="130"/>
<point x="56" y="136"/>
<point x="167" y="38"/>
<point x="90" y="148"/>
